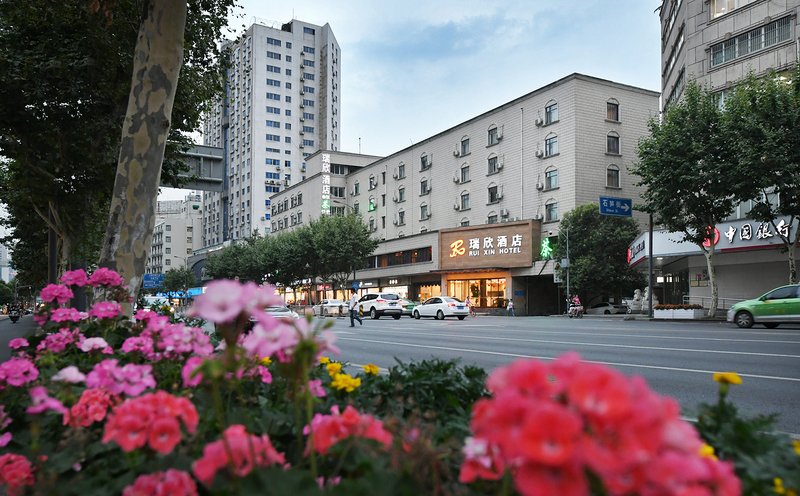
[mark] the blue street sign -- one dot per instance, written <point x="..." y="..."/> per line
<point x="152" y="281"/>
<point x="195" y="291"/>
<point x="619" y="207"/>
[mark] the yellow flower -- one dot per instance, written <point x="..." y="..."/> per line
<point x="707" y="451"/>
<point x="345" y="382"/>
<point x="324" y="360"/>
<point x="334" y="368"/>
<point x="266" y="361"/>
<point x="796" y="446"/>
<point x="371" y="369"/>
<point x="727" y="378"/>
<point x="778" y="486"/>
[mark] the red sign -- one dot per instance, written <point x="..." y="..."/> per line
<point x="707" y="242"/>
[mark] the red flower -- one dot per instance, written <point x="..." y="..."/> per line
<point x="532" y="479"/>
<point x="330" y="429"/>
<point x="239" y="451"/>
<point x="165" y="434"/>
<point x="550" y="434"/>
<point x="170" y="483"/>
<point x="16" y="472"/>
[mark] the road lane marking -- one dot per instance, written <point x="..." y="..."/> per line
<point x="615" y="364"/>
<point x="606" y="345"/>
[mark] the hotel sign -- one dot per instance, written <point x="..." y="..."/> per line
<point x="325" y="205"/>
<point x="487" y="246"/>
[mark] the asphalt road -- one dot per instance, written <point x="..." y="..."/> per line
<point x="8" y="331"/>
<point x="676" y="358"/>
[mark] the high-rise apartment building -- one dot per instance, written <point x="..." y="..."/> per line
<point x="282" y="103"/>
<point x="175" y="235"/>
<point x="717" y="42"/>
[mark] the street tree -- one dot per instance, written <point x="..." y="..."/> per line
<point x="244" y="261"/>
<point x="179" y="279"/>
<point x="342" y="244"/>
<point x="689" y="170"/>
<point x="763" y="119"/>
<point x="597" y="250"/>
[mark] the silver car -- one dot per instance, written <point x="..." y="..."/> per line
<point x="440" y="307"/>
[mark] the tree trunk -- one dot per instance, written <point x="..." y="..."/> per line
<point x="712" y="280"/>
<point x="156" y="67"/>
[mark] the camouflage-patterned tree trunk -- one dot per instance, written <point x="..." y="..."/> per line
<point x="156" y="67"/>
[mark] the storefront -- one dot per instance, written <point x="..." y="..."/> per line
<point x="749" y="260"/>
<point x="474" y="262"/>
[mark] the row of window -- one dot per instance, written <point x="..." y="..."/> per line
<point x="286" y="222"/>
<point x="752" y="41"/>
<point x="405" y="257"/>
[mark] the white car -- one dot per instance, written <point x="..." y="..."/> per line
<point x="330" y="307"/>
<point x="377" y="304"/>
<point x="440" y="307"/>
<point x="604" y="308"/>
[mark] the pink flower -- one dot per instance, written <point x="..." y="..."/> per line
<point x="90" y="344"/>
<point x="240" y="452"/>
<point x="330" y="429"/>
<point x="224" y="300"/>
<point x="18" y="371"/>
<point x="5" y="438"/>
<point x="75" y="277"/>
<point x="266" y="340"/>
<point x="18" y="343"/>
<point x="130" y="379"/>
<point x="170" y="483"/>
<point x="105" y="310"/>
<point x="92" y="407"/>
<point x="56" y="292"/>
<point x="106" y="277"/>
<point x="151" y="419"/>
<point x="41" y="402"/>
<point x="190" y="378"/>
<point x="69" y="374"/>
<point x="67" y="315"/>
<point x="316" y="389"/>
<point x="58" y="342"/>
<point x="16" y="472"/>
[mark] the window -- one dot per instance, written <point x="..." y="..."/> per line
<point x="424" y="188"/>
<point x="168" y="227"/>
<point x="287" y="126"/>
<point x="752" y="41"/>
<point x="273" y="82"/>
<point x="308" y="103"/>
<point x="168" y="239"/>
<point x="464" y="222"/>
<point x="288" y="113"/>
<point x="424" y="162"/>
<point x="273" y="96"/>
<point x="492" y="139"/>
<point x="423" y="212"/>
<point x="401" y="171"/>
<point x="308" y="75"/>
<point x="308" y="49"/>
<point x="273" y="110"/>
<point x="308" y="63"/>
<point x="288" y="99"/>
<point x="494" y="195"/>
<point x="782" y="293"/>
<point x="338" y="169"/>
<point x="373" y="182"/>
<point x="612" y="110"/>
<point x="492" y="163"/>
<point x="308" y="89"/>
<point x="464" y="146"/>
<point x="464" y="173"/>
<point x="722" y="7"/>
<point x="273" y="137"/>
<point x="612" y="143"/>
<point x="288" y="86"/>
<point x="551" y="179"/>
<point x="383" y="200"/>
<point x="465" y="201"/>
<point x="551" y="146"/>
<point x="372" y="227"/>
<point x="372" y="205"/>
<point x="168" y="250"/>
<point x="356" y="188"/>
<point x="307" y="142"/>
<point x="273" y="55"/>
<point x="401" y="195"/>
<point x="383" y="177"/>
<point x="273" y="124"/>
<point x="168" y="262"/>
<point x="551" y="211"/>
<point x="308" y="116"/>
<point x="273" y="41"/>
<point x="272" y="161"/>
<point x="551" y="113"/>
<point x="612" y="176"/>
<point x="401" y="218"/>
<point x="356" y="207"/>
<point x="307" y="30"/>
<point x="273" y="68"/>
<point x="491" y="218"/>
<point x="337" y="191"/>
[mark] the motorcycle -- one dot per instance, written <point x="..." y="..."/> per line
<point x="13" y="316"/>
<point x="575" y="311"/>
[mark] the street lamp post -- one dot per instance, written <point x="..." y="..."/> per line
<point x="568" y="264"/>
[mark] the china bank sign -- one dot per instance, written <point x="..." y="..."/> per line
<point x="487" y="246"/>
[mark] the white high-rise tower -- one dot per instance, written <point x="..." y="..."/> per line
<point x="282" y="103"/>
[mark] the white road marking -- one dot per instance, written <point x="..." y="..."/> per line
<point x="606" y="345"/>
<point x="615" y="364"/>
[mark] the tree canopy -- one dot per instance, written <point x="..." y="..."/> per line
<point x="178" y="279"/>
<point x="597" y="250"/>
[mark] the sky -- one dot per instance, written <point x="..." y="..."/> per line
<point x="414" y="68"/>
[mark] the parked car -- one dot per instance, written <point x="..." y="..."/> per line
<point x="378" y="304"/>
<point x="605" y="308"/>
<point x="330" y="307"/>
<point x="408" y="306"/>
<point x="779" y="306"/>
<point x="440" y="307"/>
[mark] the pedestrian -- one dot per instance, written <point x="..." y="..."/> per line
<point x="470" y="306"/>
<point x="510" y="308"/>
<point x="353" y="310"/>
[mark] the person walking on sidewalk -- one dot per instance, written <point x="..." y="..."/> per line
<point x="353" y="308"/>
<point x="510" y="308"/>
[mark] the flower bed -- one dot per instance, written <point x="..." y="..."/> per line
<point x="679" y="314"/>
<point x="102" y="404"/>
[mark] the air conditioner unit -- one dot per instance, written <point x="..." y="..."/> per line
<point x="499" y="133"/>
<point x="539" y="153"/>
<point x="301" y="145"/>
<point x="263" y="218"/>
<point x="353" y="192"/>
<point x="277" y="167"/>
<point x="503" y="212"/>
<point x="302" y="168"/>
<point x="500" y="162"/>
<point x="456" y="153"/>
<point x="302" y="92"/>
<point x="394" y="199"/>
<point x="514" y="219"/>
<point x="302" y="119"/>
<point x="456" y="207"/>
<point x="302" y="106"/>
<point x="395" y="175"/>
<point x="539" y="122"/>
<point x="286" y="182"/>
<point x="539" y="186"/>
<point x="538" y="217"/>
<point x="395" y="222"/>
<point x="302" y="132"/>
<point x="456" y="179"/>
<point x="499" y="196"/>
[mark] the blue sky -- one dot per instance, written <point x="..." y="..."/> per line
<point x="414" y="68"/>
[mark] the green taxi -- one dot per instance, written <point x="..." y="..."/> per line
<point x="779" y="306"/>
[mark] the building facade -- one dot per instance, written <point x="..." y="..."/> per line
<point x="717" y="42"/>
<point x="176" y="234"/>
<point x="282" y="103"/>
<point x="490" y="190"/>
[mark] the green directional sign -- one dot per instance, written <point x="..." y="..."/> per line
<point x="546" y="249"/>
<point x="325" y="205"/>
